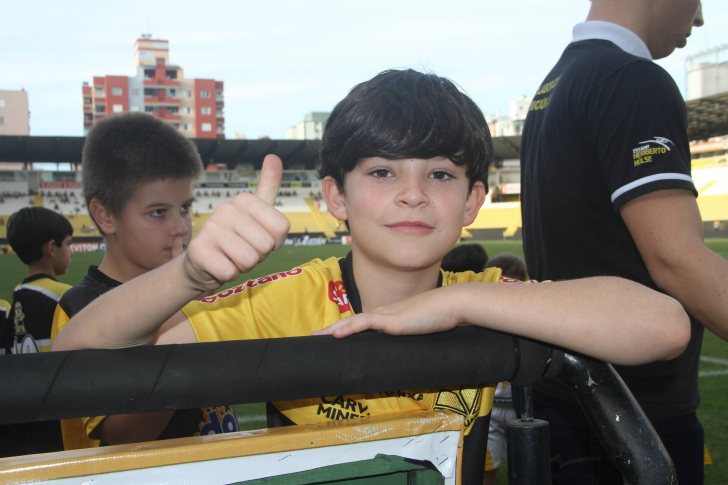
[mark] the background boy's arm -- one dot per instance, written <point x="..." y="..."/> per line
<point x="612" y="319"/>
<point x="239" y="234"/>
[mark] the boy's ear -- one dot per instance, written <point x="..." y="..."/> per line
<point x="102" y="217"/>
<point x="475" y="200"/>
<point x="49" y="249"/>
<point x="334" y="198"/>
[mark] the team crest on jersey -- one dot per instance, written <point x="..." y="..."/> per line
<point x="218" y="420"/>
<point x="465" y="402"/>
<point x="251" y="284"/>
<point x="337" y="294"/>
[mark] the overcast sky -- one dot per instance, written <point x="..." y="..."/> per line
<point x="280" y="59"/>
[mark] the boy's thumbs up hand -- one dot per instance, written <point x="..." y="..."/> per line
<point x="239" y="234"/>
<point x="270" y="179"/>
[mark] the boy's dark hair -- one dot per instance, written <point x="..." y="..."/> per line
<point x="31" y="228"/>
<point x="125" y="150"/>
<point x="511" y="266"/>
<point x="406" y="114"/>
<point x="466" y="257"/>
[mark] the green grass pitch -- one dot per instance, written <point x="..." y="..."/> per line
<point x="713" y="368"/>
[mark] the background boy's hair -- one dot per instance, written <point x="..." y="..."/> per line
<point x="31" y="228"/>
<point x="406" y="114"/>
<point x="511" y="266"/>
<point x="124" y="150"/>
<point x="465" y="257"/>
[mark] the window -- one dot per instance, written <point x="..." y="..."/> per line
<point x="173" y="93"/>
<point x="149" y="73"/>
<point x="135" y="92"/>
<point x="88" y="117"/>
<point x="99" y="92"/>
<point x="151" y="109"/>
<point x="118" y="108"/>
<point x="189" y="127"/>
<point x="206" y="126"/>
<point x="219" y="113"/>
<point x="86" y="100"/>
<point x="204" y="93"/>
<point x="187" y="94"/>
<point x="173" y="110"/>
<point x="170" y="74"/>
<point x="150" y="91"/>
<point x="100" y="108"/>
<point x="134" y="108"/>
<point x="117" y="91"/>
<point x="186" y="110"/>
<point x="205" y="110"/>
<point x="2" y="103"/>
<point x="2" y="120"/>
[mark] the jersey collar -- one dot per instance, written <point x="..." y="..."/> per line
<point x="620" y="36"/>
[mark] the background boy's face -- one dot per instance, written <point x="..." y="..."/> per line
<point x="63" y="256"/>
<point x="157" y="213"/>
<point x="406" y="213"/>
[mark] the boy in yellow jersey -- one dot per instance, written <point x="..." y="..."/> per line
<point x="404" y="161"/>
<point x="40" y="238"/>
<point x="138" y="174"/>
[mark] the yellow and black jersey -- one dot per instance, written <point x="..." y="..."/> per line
<point x="80" y="433"/>
<point x="34" y="303"/>
<point x="7" y="331"/>
<point x="311" y="297"/>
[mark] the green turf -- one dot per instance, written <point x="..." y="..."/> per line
<point x="712" y="387"/>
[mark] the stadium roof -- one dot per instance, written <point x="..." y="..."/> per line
<point x="708" y="117"/>
<point x="294" y="153"/>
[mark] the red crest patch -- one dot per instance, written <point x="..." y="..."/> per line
<point x="337" y="294"/>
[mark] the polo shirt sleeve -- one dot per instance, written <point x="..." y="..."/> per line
<point x="640" y="132"/>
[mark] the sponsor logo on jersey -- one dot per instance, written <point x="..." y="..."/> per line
<point x="252" y="284"/>
<point x="341" y="407"/>
<point x="218" y="420"/>
<point x="649" y="149"/>
<point x="337" y="294"/>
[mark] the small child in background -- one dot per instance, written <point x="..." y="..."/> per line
<point x="41" y="239"/>
<point x="465" y="257"/>
<point x="6" y="330"/>
<point x="512" y="267"/>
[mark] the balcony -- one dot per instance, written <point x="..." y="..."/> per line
<point x="161" y="82"/>
<point x="88" y="107"/>
<point x="168" y="116"/>
<point x="161" y="100"/>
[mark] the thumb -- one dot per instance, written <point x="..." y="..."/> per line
<point x="270" y="179"/>
<point x="177" y="247"/>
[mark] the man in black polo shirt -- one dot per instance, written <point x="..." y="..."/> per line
<point x="607" y="190"/>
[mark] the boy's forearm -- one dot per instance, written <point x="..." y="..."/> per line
<point x="612" y="319"/>
<point x="131" y="314"/>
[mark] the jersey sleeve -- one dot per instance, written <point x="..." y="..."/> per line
<point x="637" y="121"/>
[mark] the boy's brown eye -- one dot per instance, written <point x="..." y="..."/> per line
<point x="381" y="173"/>
<point x="439" y="175"/>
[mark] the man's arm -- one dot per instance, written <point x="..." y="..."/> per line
<point x="609" y="318"/>
<point x="668" y="231"/>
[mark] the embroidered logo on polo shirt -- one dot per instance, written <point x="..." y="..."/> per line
<point x="649" y="149"/>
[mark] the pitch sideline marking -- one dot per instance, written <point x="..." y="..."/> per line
<point x="713" y="360"/>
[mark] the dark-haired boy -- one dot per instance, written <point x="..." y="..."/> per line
<point x="40" y="238"/>
<point x="404" y="160"/>
<point x="138" y="174"/>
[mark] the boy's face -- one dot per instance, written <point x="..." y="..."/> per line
<point x="405" y="214"/>
<point x="63" y="256"/>
<point x="157" y="213"/>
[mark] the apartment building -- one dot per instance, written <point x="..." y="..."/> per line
<point x="14" y="113"/>
<point x="195" y="106"/>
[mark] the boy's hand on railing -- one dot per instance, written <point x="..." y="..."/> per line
<point x="239" y="234"/>
<point x="428" y="312"/>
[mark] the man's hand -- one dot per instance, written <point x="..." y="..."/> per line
<point x="428" y="312"/>
<point x="239" y="234"/>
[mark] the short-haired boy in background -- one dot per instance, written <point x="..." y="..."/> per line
<point x="465" y="257"/>
<point x="404" y="160"/>
<point x="138" y="175"/>
<point x="41" y="239"/>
